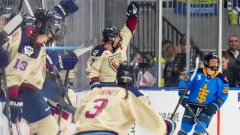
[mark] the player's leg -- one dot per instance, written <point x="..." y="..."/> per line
<point x="187" y="122"/>
<point x="65" y="114"/>
<point x="205" y="120"/>
<point x="46" y="126"/>
<point x="36" y="111"/>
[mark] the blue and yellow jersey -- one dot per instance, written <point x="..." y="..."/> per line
<point x="205" y="89"/>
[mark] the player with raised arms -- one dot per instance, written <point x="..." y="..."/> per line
<point x="105" y="58"/>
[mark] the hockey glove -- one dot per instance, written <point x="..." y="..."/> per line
<point x="54" y="57"/>
<point x="69" y="62"/>
<point x="211" y="109"/>
<point x="132" y="10"/>
<point x="94" y="83"/>
<point x="16" y="105"/>
<point x="66" y="7"/>
<point x="4" y="57"/>
<point x="184" y="100"/>
<point x="171" y="126"/>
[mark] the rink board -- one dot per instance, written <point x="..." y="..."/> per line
<point x="164" y="102"/>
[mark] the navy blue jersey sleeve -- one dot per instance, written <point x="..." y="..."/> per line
<point x="98" y="51"/>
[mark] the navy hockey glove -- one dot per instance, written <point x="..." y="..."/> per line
<point x="4" y="58"/>
<point x="211" y="109"/>
<point x="171" y="126"/>
<point x="66" y="7"/>
<point x="184" y="100"/>
<point x="69" y="62"/>
<point x="94" y="83"/>
<point x="54" y="57"/>
<point x="132" y="10"/>
<point x="16" y="105"/>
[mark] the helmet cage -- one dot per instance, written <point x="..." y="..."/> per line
<point x="128" y="73"/>
<point x="110" y="33"/>
<point x="49" y="21"/>
<point x="210" y="56"/>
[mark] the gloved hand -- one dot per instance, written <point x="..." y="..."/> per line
<point x="16" y="105"/>
<point x="132" y="10"/>
<point x="54" y="57"/>
<point x="66" y="7"/>
<point x="184" y="101"/>
<point x="94" y="84"/>
<point x="211" y="109"/>
<point x="69" y="62"/>
<point x="171" y="126"/>
<point x="4" y="58"/>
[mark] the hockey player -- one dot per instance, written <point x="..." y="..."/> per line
<point x="26" y="71"/>
<point x="206" y="94"/>
<point x="112" y="110"/>
<point x="105" y="58"/>
<point x="53" y="88"/>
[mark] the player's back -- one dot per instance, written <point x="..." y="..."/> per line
<point x="107" y="109"/>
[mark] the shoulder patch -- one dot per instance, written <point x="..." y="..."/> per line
<point x="98" y="51"/>
<point x="135" y="91"/>
<point x="223" y="78"/>
<point x="27" y="47"/>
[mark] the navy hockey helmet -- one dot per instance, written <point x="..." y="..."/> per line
<point x="127" y="73"/>
<point x="210" y="56"/>
<point x="49" y="21"/>
<point x="109" y="33"/>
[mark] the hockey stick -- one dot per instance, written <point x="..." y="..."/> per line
<point x="181" y="98"/>
<point x="6" y="31"/>
<point x="29" y="7"/>
<point x="18" y="127"/>
<point x="20" y="5"/>
<point x="64" y="94"/>
<point x="81" y="51"/>
<point x="195" y="117"/>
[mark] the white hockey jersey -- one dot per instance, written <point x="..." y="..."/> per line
<point x="102" y="64"/>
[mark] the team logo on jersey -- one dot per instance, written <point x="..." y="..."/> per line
<point x="199" y="77"/>
<point x="95" y="52"/>
<point x="28" y="50"/>
<point x="202" y="94"/>
<point x="114" y="61"/>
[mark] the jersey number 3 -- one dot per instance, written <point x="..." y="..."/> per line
<point x="98" y="108"/>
